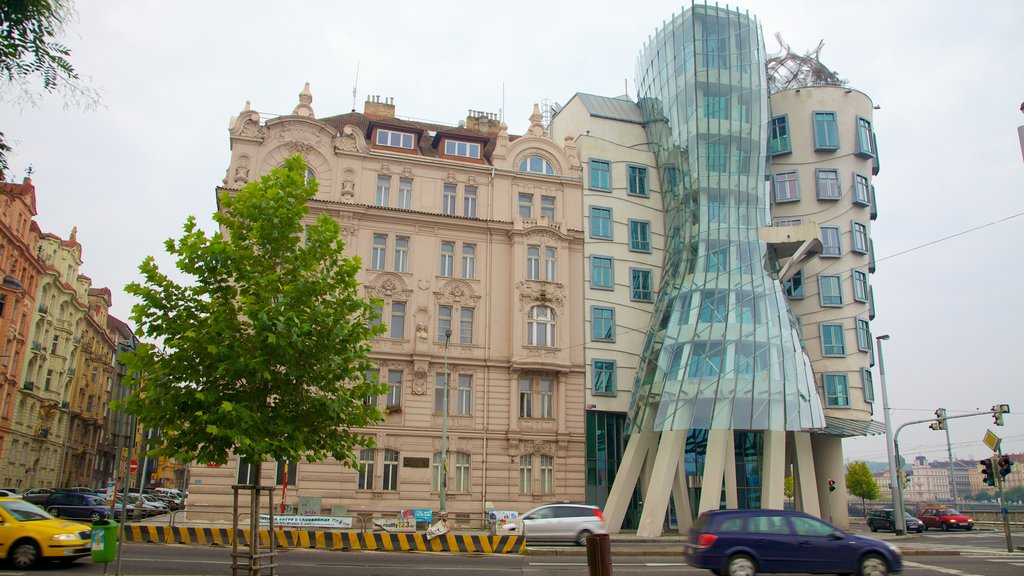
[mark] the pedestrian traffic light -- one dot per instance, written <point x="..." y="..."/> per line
<point x="987" y="474"/>
<point x="831" y="485"/>
<point x="1005" y="466"/>
<point x="940" y="420"/>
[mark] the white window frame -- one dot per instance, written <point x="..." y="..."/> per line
<point x="460" y="148"/>
<point x="395" y="139"/>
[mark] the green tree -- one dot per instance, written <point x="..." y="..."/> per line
<point x="266" y="353"/>
<point x="860" y="482"/>
<point x="787" y="488"/>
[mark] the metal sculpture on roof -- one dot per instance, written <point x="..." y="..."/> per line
<point x="790" y="70"/>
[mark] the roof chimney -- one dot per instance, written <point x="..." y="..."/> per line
<point x="377" y="106"/>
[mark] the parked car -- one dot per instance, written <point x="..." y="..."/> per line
<point x="8" y="494"/>
<point x="37" y="495"/>
<point x="558" y="522"/>
<point x="80" y="506"/>
<point x="882" y="519"/>
<point x="745" y="542"/>
<point x="28" y="535"/>
<point x="11" y="490"/>
<point x="944" y="518"/>
<point x="149" y="505"/>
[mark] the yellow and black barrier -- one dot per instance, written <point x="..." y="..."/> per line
<point x="382" y="541"/>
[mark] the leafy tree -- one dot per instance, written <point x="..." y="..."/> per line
<point x="860" y="482"/>
<point x="787" y="488"/>
<point x="266" y="353"/>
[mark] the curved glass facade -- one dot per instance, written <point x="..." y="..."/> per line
<point x="723" y="351"/>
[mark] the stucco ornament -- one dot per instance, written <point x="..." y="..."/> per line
<point x="546" y="293"/>
<point x="304" y="107"/>
<point x="241" y="177"/>
<point x="419" y="377"/>
<point x="570" y="153"/>
<point x="348" y="141"/>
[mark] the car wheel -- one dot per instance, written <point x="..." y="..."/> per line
<point x="969" y="528"/>
<point x="95" y="516"/>
<point x="24" y="555"/>
<point x="945" y="527"/>
<point x="741" y="565"/>
<point x="920" y="530"/>
<point x="581" y="538"/>
<point x="53" y="511"/>
<point x="873" y="565"/>
<point x="872" y="527"/>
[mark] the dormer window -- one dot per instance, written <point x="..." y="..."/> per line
<point x="465" y="149"/>
<point x="394" y="139"/>
<point x="537" y="165"/>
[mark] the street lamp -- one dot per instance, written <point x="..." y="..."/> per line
<point x="894" y="477"/>
<point x="444" y="429"/>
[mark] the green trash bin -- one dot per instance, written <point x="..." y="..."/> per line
<point x="104" y="541"/>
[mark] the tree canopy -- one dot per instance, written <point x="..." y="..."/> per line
<point x="266" y="353"/>
<point x="860" y="482"/>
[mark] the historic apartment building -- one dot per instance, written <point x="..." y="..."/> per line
<point x="466" y="229"/>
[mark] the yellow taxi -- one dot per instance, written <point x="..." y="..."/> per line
<point x="29" y="535"/>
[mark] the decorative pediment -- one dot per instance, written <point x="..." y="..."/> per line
<point x="457" y="293"/>
<point x="388" y="286"/>
<point x="532" y="293"/>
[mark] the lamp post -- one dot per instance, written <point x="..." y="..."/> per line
<point x="444" y="429"/>
<point x="894" y="477"/>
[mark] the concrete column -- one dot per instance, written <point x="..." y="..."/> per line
<point x="732" y="500"/>
<point x="805" y="484"/>
<point x="714" y="468"/>
<point x="625" y="478"/>
<point x="828" y="464"/>
<point x="773" y="476"/>
<point x="663" y="474"/>
<point x="681" y="497"/>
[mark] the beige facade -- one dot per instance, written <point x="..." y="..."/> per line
<point x="462" y="228"/>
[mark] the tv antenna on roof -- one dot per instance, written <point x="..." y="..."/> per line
<point x="355" y="87"/>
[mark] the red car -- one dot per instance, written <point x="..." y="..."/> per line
<point x="945" y="518"/>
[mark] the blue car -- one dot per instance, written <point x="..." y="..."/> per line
<point x="745" y="542"/>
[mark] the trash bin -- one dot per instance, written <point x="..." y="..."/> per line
<point x="599" y="555"/>
<point x="104" y="541"/>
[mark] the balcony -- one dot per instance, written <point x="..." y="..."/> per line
<point x="64" y="405"/>
<point x="37" y="346"/>
<point x="29" y="385"/>
<point x="71" y="372"/>
<point x="44" y="432"/>
<point x="44" y="309"/>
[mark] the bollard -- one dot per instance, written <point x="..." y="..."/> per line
<point x="599" y="554"/>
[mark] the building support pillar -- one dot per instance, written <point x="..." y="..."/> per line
<point x="637" y="448"/>
<point x="732" y="500"/>
<point x="805" y="484"/>
<point x="828" y="465"/>
<point x="714" y="470"/>
<point x="773" y="474"/>
<point x="681" y="498"/>
<point x="664" y="473"/>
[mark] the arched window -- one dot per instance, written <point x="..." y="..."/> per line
<point x="310" y="175"/>
<point x="536" y="164"/>
<point x="540" y="327"/>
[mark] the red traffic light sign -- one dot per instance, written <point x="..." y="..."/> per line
<point x="133" y="465"/>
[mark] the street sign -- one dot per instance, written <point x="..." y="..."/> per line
<point x="992" y="441"/>
<point x="133" y="466"/>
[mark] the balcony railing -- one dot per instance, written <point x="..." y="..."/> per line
<point x="44" y="309"/>
<point x="29" y="385"/>
<point x="37" y="346"/>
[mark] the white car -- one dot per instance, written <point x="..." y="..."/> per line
<point x="557" y="522"/>
<point x="9" y="493"/>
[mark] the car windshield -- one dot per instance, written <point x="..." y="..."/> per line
<point x="24" y="511"/>
<point x="949" y="512"/>
<point x="909" y="516"/>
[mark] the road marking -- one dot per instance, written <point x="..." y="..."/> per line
<point x="952" y="571"/>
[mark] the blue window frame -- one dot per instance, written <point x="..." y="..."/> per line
<point x="705" y="359"/>
<point x="860" y="286"/>
<point x="867" y="382"/>
<point x="603" y="377"/>
<point x="861" y="190"/>
<point x="837" y="390"/>
<point x="602" y="276"/>
<point x="602" y="324"/>
<point x="601" y="222"/>
<point x="639" y="236"/>
<point x="778" y="136"/>
<point x="600" y="175"/>
<point x="826" y="132"/>
<point x="864" y="136"/>
<point x="863" y="335"/>
<point x="714" y="306"/>
<point x="640" y="285"/>
<point x="830" y="245"/>
<point x="830" y="290"/>
<point x="833" y="340"/>
<point x="794" y="287"/>
<point x="859" y="237"/>
<point x="828" y="184"/>
<point x="637" y="185"/>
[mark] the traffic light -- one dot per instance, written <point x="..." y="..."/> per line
<point x="831" y="485"/>
<point x="997" y="413"/>
<point x="987" y="474"/>
<point x="1005" y="466"/>
<point x="940" y="420"/>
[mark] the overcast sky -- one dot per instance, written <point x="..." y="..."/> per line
<point x="946" y="75"/>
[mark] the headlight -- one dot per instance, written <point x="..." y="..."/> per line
<point x="894" y="548"/>
<point x="65" y="537"/>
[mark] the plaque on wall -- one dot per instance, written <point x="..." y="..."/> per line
<point x="410" y="462"/>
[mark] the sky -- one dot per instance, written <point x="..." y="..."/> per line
<point x="946" y="78"/>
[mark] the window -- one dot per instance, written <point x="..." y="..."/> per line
<point x="861" y="194"/>
<point x="525" y="398"/>
<point x="525" y="205"/>
<point x="864" y="147"/>
<point x="464" y="395"/>
<point x="469" y="202"/>
<point x="444" y="321"/>
<point x="600" y="175"/>
<point x="778" y="136"/>
<point x="601" y="273"/>
<point x="830" y="290"/>
<point x="715" y="43"/>
<point x="830" y="245"/>
<point x="602" y="324"/>
<point x="54" y="344"/>
<point x="547" y="474"/>
<point x="366" y="460"/>
<point x="828" y="184"/>
<point x="383" y="191"/>
<point x="859" y="233"/>
<point x="833" y="341"/>
<point x="397" y="320"/>
<point x="394" y="388"/>
<point x="390" y="479"/>
<point x="526" y="474"/>
<point x="603" y="377"/>
<point x="540" y="327"/>
<point x="536" y="397"/>
<point x="405" y="193"/>
<point x="462" y="472"/>
<point x="600" y="222"/>
<point x="547" y="207"/>
<point x="377" y="315"/>
<point x="717" y="259"/>
<point x="379" y="254"/>
<point x="860" y="286"/>
<point x="535" y="164"/>
<point x="394" y="139"/>
<point x="750" y="307"/>
<point x="466" y="149"/>
<point x="716" y="107"/>
<point x="550" y="263"/>
<point x="789" y="221"/>
<point x="640" y="285"/>
<point x="787" y="188"/>
<point x="826" y="133"/>
<point x="714" y="306"/>
<point x="705" y="359"/>
<point x="718" y="157"/>
<point x="440" y="389"/>
<point x="466" y="326"/>
<point x="863" y="335"/>
<point x="402" y="254"/>
<point x="448" y="200"/>
<point x="637" y="181"/>
<point x="794" y="287"/>
<point x="447" y="258"/>
<point x="751" y="360"/>
<point x="246" y="472"/>
<point x="469" y="261"/>
<point x="868" y="385"/>
<point x="293" y="472"/>
<point x="742" y="161"/>
<point x="837" y="391"/>
<point x="533" y="262"/>
<point x="639" y="236"/>
<point x="717" y="205"/>
<point x="436" y="478"/>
